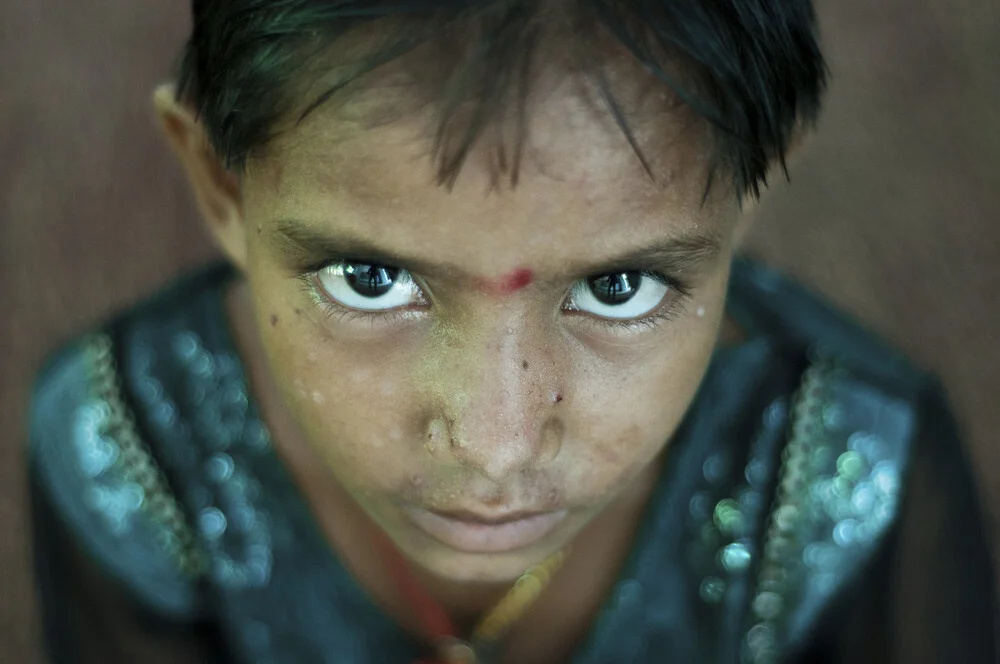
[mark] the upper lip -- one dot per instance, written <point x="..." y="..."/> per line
<point x="493" y="519"/>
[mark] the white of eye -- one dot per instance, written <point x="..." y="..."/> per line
<point x="648" y="295"/>
<point x="368" y="287"/>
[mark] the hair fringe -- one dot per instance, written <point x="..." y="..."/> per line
<point x="752" y="69"/>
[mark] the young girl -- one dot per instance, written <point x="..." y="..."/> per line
<point x="482" y="379"/>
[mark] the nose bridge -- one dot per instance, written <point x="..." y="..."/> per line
<point x="495" y="404"/>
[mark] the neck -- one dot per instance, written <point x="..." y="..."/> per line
<point x="465" y="603"/>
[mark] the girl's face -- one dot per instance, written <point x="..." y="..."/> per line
<point x="486" y="370"/>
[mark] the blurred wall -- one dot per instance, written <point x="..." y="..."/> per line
<point x="892" y="212"/>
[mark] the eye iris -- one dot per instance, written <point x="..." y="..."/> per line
<point x="370" y="280"/>
<point x="616" y="288"/>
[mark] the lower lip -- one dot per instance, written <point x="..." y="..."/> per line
<point x="477" y="537"/>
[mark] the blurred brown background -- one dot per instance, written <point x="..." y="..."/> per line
<point x="894" y="212"/>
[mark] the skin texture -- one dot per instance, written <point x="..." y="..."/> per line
<point x="487" y="394"/>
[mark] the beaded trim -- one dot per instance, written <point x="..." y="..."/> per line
<point x="786" y="518"/>
<point x="135" y="462"/>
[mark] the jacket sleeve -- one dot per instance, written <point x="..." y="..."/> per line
<point x="90" y="618"/>
<point x="110" y="590"/>
<point x="929" y="597"/>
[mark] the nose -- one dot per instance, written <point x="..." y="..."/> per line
<point x="495" y="407"/>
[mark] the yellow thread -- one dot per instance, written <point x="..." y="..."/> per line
<point x="513" y="605"/>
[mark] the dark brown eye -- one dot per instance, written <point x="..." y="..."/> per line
<point x="370" y="280"/>
<point x="369" y="287"/>
<point x="615" y="288"/>
<point x="629" y="294"/>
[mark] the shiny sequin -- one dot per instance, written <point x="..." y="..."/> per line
<point x="715" y="468"/>
<point x="219" y="468"/>
<point x="850" y="465"/>
<point x="212" y="522"/>
<point x="712" y="589"/>
<point x="224" y="436"/>
<point x="837" y="492"/>
<point x="165" y="414"/>
<point x="728" y="518"/>
<point x="186" y="345"/>
<point x="775" y="414"/>
<point x="700" y="506"/>
<point x="97" y="454"/>
<point x="756" y="473"/>
<point x="735" y="557"/>
<point x="761" y="644"/>
<point x="768" y="605"/>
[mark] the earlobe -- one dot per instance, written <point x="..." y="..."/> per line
<point x="216" y="188"/>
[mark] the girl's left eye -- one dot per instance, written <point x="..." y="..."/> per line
<point x="368" y="287"/>
<point x="619" y="295"/>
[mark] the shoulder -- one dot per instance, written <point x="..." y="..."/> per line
<point x="97" y="468"/>
<point x="855" y="382"/>
<point x="799" y="320"/>
<point x="861" y="417"/>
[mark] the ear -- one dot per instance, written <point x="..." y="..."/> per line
<point x="216" y="188"/>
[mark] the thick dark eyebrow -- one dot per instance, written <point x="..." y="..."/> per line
<point x="311" y="248"/>
<point x="672" y="256"/>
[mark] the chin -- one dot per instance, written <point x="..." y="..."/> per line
<point x="447" y="563"/>
<point x="459" y="567"/>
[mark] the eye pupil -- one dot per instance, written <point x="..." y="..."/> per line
<point x="370" y="280"/>
<point x="615" y="288"/>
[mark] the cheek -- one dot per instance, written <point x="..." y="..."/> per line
<point x="626" y="411"/>
<point x="355" y="407"/>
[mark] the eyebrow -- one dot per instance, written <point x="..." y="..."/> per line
<point x="309" y="246"/>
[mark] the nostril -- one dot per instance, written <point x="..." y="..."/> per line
<point x="551" y="443"/>
<point x="438" y="436"/>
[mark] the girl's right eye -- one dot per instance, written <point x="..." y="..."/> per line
<point x="369" y="287"/>
<point x="619" y="295"/>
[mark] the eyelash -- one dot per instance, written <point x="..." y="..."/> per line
<point x="334" y="311"/>
<point x="670" y="310"/>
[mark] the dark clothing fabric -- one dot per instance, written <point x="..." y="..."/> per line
<point x="816" y="505"/>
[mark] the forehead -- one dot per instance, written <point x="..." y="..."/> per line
<point x="581" y="187"/>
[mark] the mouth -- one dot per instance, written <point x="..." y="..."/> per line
<point x="473" y="532"/>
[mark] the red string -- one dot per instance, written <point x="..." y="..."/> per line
<point x="435" y="621"/>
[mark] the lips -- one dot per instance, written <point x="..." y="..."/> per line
<point x="471" y="532"/>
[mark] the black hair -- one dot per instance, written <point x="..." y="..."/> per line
<point x="751" y="68"/>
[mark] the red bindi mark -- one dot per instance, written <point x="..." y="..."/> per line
<point x="506" y="284"/>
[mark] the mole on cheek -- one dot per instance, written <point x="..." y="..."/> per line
<point x="274" y="320"/>
<point x="524" y="364"/>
